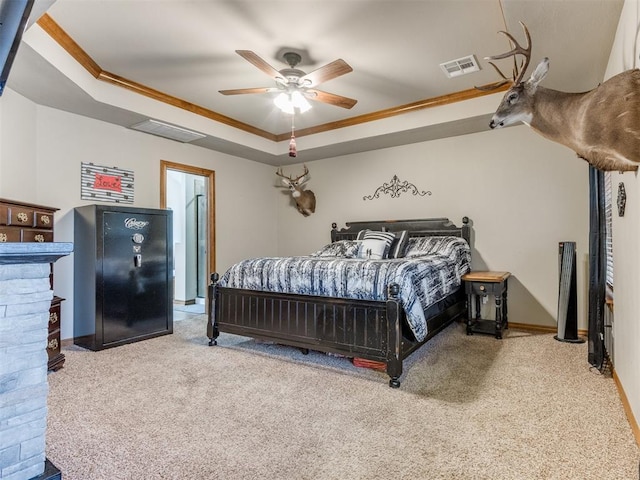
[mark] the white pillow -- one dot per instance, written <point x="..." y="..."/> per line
<point x="372" y="249"/>
<point x="388" y="237"/>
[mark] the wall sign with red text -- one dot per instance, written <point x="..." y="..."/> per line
<point x="106" y="184"/>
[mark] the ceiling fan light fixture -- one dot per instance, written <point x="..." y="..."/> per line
<point x="291" y="80"/>
<point x="283" y="102"/>
<point x="299" y="102"/>
<point x="288" y="102"/>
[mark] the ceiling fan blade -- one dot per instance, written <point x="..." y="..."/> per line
<point x="331" y="98"/>
<point x="241" y="91"/>
<point x="251" y="57"/>
<point x="328" y="72"/>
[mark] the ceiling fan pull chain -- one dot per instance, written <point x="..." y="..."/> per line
<point x="293" y="152"/>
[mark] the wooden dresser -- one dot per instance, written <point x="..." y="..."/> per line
<point x="26" y="222"/>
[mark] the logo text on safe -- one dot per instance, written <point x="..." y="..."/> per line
<point x="134" y="224"/>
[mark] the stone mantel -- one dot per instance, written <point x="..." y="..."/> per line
<point x="25" y="299"/>
<point x="19" y="253"/>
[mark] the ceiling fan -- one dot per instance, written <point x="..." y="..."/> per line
<point x="291" y="80"/>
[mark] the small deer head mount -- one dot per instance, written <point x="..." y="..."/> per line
<point x="305" y="199"/>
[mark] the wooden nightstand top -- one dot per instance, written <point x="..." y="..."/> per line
<point x="486" y="276"/>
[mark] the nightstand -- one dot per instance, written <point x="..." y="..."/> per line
<point x="482" y="284"/>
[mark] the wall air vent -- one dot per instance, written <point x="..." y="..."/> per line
<point x="165" y="130"/>
<point x="460" y="66"/>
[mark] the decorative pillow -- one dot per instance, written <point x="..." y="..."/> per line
<point x="397" y="241"/>
<point x="373" y="249"/>
<point x="361" y="234"/>
<point x="399" y="244"/>
<point x="341" y="248"/>
<point x="387" y="237"/>
<point x="441" y="245"/>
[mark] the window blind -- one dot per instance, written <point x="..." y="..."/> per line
<point x="608" y="212"/>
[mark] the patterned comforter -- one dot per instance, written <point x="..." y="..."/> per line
<point x="425" y="277"/>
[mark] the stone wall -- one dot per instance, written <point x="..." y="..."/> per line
<point x="25" y="298"/>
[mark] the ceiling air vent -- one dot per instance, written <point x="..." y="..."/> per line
<point x="460" y="66"/>
<point x="165" y="130"/>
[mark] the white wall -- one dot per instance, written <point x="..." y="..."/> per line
<point x="18" y="134"/>
<point x="523" y="194"/>
<point x="626" y="233"/>
<point x="40" y="157"/>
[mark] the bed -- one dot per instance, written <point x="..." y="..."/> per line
<point x="351" y="297"/>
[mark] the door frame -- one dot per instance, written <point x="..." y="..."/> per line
<point x="166" y="165"/>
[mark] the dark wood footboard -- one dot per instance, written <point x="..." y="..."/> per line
<point x="360" y="328"/>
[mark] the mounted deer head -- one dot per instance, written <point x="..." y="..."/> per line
<point x="305" y="199"/>
<point x="602" y="125"/>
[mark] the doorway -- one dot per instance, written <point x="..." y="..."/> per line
<point x="189" y="192"/>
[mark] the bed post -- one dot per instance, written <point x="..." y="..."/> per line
<point x="334" y="231"/>
<point x="394" y="336"/>
<point x="212" y="323"/>
<point x="466" y="230"/>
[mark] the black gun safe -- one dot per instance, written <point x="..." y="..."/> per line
<point x="123" y="275"/>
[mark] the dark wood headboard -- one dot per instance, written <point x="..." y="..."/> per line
<point x="425" y="227"/>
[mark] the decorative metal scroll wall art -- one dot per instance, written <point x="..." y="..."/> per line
<point x="622" y="199"/>
<point x="106" y="184"/>
<point x="395" y="188"/>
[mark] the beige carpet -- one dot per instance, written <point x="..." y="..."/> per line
<point x="526" y="407"/>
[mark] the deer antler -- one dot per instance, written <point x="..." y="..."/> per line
<point x="512" y="53"/>
<point x="280" y="174"/>
<point x="289" y="177"/>
<point x="518" y="72"/>
<point x="306" y="172"/>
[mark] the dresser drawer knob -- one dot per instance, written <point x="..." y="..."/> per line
<point x="22" y="217"/>
<point x="45" y="219"/>
<point x="3" y="237"/>
<point x="482" y="288"/>
<point x="39" y="238"/>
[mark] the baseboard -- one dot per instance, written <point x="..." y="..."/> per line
<point x="541" y="328"/>
<point x="627" y="408"/>
<point x="185" y="302"/>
